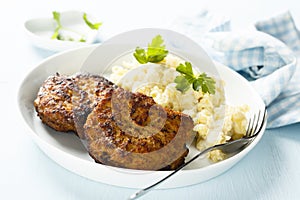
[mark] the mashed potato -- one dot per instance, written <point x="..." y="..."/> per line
<point x="214" y="121"/>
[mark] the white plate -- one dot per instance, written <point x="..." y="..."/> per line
<point x="68" y="151"/>
<point x="40" y="30"/>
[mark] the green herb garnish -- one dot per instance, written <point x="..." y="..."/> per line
<point x="155" y="52"/>
<point x="94" y="26"/>
<point x="56" y="17"/>
<point x="57" y="32"/>
<point x="187" y="78"/>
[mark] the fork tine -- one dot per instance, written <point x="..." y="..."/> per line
<point x="251" y="125"/>
<point x="248" y="128"/>
<point x="262" y="121"/>
<point x="256" y="123"/>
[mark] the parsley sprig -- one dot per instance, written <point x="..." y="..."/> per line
<point x="94" y="26"/>
<point x="56" y="17"/>
<point x="187" y="78"/>
<point x="155" y="52"/>
<point x="57" y="32"/>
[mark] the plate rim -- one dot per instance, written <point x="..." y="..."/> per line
<point x="44" y="144"/>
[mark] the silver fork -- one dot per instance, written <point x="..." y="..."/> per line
<point x="254" y="127"/>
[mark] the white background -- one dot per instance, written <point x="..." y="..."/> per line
<point x="270" y="171"/>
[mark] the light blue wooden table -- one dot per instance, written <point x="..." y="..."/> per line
<point x="270" y="171"/>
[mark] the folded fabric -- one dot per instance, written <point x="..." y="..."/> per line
<point x="267" y="58"/>
<point x="285" y="109"/>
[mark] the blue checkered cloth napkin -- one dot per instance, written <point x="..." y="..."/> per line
<point x="267" y="57"/>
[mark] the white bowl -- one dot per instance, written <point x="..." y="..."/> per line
<point x="69" y="152"/>
<point x="40" y="30"/>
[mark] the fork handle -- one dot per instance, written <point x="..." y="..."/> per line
<point x="149" y="188"/>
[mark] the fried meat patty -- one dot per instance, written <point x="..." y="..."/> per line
<point x="54" y="103"/>
<point x="63" y="102"/>
<point x="121" y="128"/>
<point x="88" y="89"/>
<point x="130" y="130"/>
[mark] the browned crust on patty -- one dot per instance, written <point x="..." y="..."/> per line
<point x="84" y="97"/>
<point x="54" y="103"/>
<point x="120" y="132"/>
<point x="64" y="102"/>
